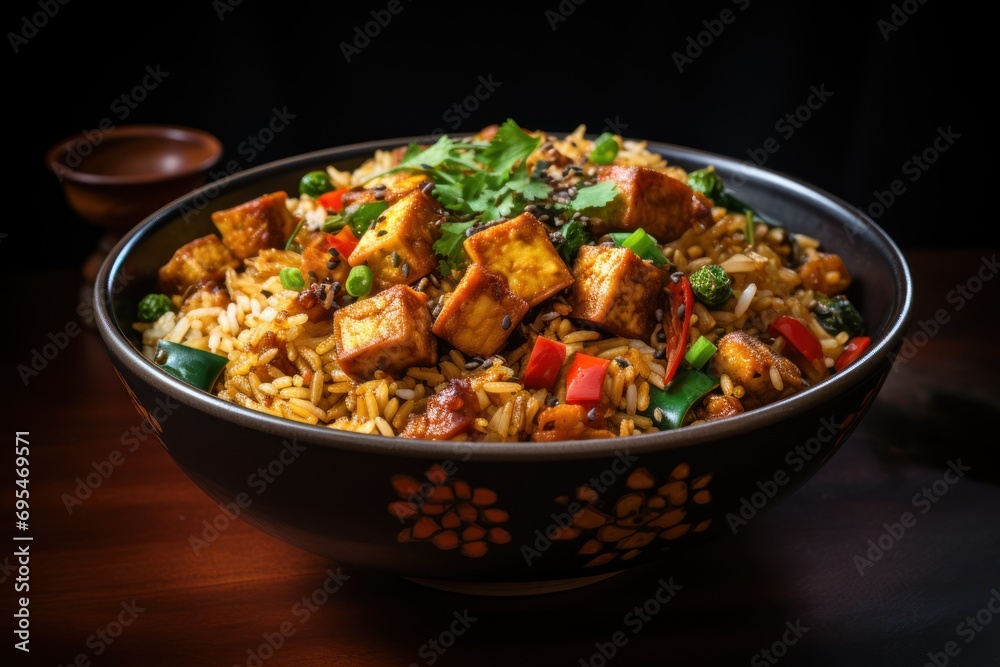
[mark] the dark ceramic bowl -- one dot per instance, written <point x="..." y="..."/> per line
<point x="115" y="178"/>
<point x="493" y="517"/>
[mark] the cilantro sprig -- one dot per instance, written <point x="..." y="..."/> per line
<point x="482" y="182"/>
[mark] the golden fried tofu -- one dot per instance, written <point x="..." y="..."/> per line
<point x="663" y="206"/>
<point x="521" y="252"/>
<point x="616" y="290"/>
<point x="264" y="222"/>
<point x="748" y="362"/>
<point x="825" y="272"/>
<point x="202" y="259"/>
<point x="399" y="248"/>
<point x="474" y="315"/>
<point x="397" y="186"/>
<point x="390" y="331"/>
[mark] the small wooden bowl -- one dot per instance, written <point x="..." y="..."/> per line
<point x="118" y="177"/>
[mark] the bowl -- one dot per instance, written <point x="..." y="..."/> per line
<point x="498" y="518"/>
<point x="115" y="178"/>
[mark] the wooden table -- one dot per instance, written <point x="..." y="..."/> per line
<point x="122" y="555"/>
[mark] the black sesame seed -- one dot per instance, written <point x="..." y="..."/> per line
<point x="335" y="287"/>
<point x="333" y="264"/>
<point x="552" y="401"/>
<point x="381" y="218"/>
<point x="380" y="186"/>
<point x="622" y="362"/>
<point x="381" y="232"/>
<point x="427" y="187"/>
<point x="506" y="322"/>
<point x="405" y="270"/>
<point x="379" y="195"/>
<point x="680" y="310"/>
<point x="394" y="257"/>
<point x="333" y="251"/>
<point x="348" y="300"/>
<point x="659" y="354"/>
<point x="592" y="414"/>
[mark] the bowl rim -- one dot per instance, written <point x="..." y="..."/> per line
<point x="870" y="362"/>
<point x="54" y="156"/>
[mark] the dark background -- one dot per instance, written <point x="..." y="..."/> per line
<point x="602" y="63"/>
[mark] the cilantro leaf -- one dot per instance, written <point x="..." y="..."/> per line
<point x="575" y="234"/>
<point x="509" y="146"/>
<point x="522" y="183"/>
<point x="449" y="246"/>
<point x="433" y="156"/>
<point x="500" y="207"/>
<point x="451" y="196"/>
<point x="594" y="196"/>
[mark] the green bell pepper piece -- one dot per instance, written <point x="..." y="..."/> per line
<point x="196" y="367"/>
<point x="673" y="403"/>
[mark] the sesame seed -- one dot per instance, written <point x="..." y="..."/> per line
<point x="622" y="362"/>
<point x="380" y="186"/>
<point x="660" y="336"/>
<point x="658" y="415"/>
<point x="435" y="281"/>
<point x="473" y="364"/>
<point x="676" y="276"/>
<point x="422" y="285"/>
<point x="549" y="316"/>
<point x="333" y="264"/>
<point x="552" y="401"/>
<point x="426" y="166"/>
<point x="427" y="187"/>
<point x="680" y="310"/>
<point x="659" y="354"/>
<point x="543" y="218"/>
<point x="347" y="300"/>
<point x="381" y="218"/>
<point x="659" y="314"/>
<point x="405" y="270"/>
<point x="381" y="232"/>
<point x="506" y="322"/>
<point x="333" y="251"/>
<point x="379" y="195"/>
<point x="592" y="414"/>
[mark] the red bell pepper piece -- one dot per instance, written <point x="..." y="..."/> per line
<point x="677" y="323"/>
<point x="854" y="349"/>
<point x="544" y="364"/>
<point x="344" y="241"/>
<point x="585" y="380"/>
<point x="331" y="201"/>
<point x="799" y="337"/>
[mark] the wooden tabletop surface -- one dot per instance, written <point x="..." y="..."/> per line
<point x="114" y="581"/>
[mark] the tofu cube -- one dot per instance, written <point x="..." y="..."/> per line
<point x="264" y="222"/>
<point x="473" y="316"/>
<point x="202" y="259"/>
<point x="521" y="252"/>
<point x="663" y="206"/>
<point x="397" y="186"/>
<point x="405" y="229"/>
<point x="617" y="291"/>
<point x="390" y="331"/>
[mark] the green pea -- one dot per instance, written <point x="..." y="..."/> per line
<point x="291" y="278"/>
<point x="153" y="305"/>
<point x="605" y="149"/>
<point x="315" y="183"/>
<point x="359" y="281"/>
